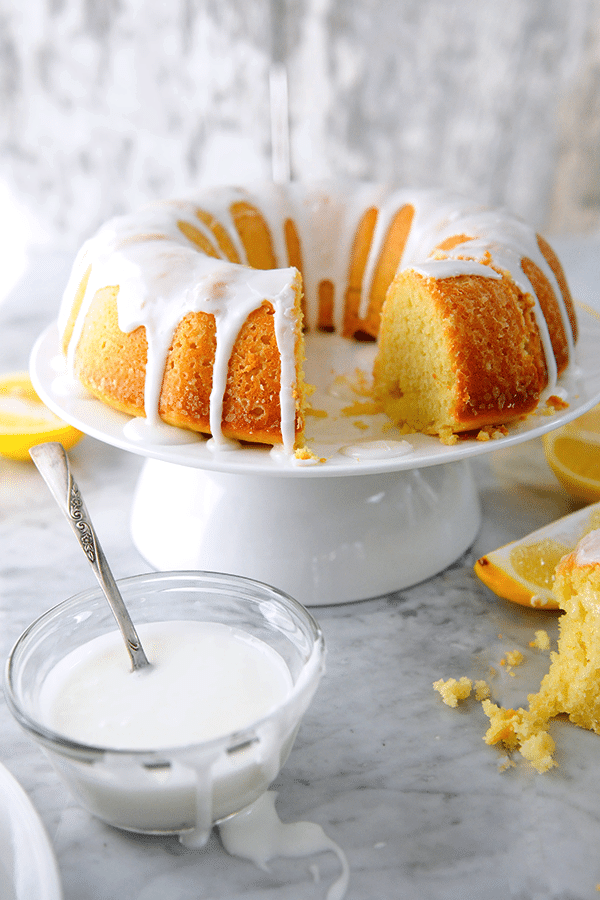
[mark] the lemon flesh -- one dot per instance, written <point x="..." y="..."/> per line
<point x="26" y="421"/>
<point x="573" y="454"/>
<point x="523" y="571"/>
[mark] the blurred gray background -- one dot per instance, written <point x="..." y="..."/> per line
<point x="108" y="103"/>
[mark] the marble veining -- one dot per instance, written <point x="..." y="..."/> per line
<point x="405" y="785"/>
<point x="107" y="105"/>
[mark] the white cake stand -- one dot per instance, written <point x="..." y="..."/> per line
<point x="381" y="513"/>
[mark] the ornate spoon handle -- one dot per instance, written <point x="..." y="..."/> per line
<point x="53" y="464"/>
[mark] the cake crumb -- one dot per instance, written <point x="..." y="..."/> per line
<point x="512" y="658"/>
<point x="305" y="454"/>
<point x="482" y="690"/>
<point x="503" y="726"/>
<point x="491" y="433"/>
<point x="538" y="750"/>
<point x="541" y="641"/>
<point x="362" y="408"/>
<point x="448" y="437"/>
<point x="401" y="427"/>
<point x="451" y="691"/>
<point x="359" y="383"/>
<point x="556" y="402"/>
<point x="518" y="729"/>
<point x="362" y="384"/>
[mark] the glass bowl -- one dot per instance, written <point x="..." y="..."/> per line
<point x="184" y="789"/>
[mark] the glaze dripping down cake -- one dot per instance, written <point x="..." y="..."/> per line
<point x="194" y="312"/>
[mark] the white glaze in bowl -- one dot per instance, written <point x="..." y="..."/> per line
<point x="181" y="789"/>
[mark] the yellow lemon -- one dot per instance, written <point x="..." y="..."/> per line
<point x="523" y="571"/>
<point x="573" y="454"/>
<point x="25" y="421"/>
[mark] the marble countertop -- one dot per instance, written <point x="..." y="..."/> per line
<point x="402" y="783"/>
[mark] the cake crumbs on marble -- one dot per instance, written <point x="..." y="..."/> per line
<point x="541" y="640"/>
<point x="482" y="690"/>
<point x="512" y="658"/>
<point x="570" y="687"/>
<point x="453" y="690"/>
<point x="519" y="729"/>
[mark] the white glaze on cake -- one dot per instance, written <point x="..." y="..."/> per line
<point x="162" y="275"/>
<point x="587" y="552"/>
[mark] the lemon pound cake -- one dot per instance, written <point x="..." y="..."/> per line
<point x="572" y="684"/>
<point x="193" y="312"/>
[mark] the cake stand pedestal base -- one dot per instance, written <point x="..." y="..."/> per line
<point x="324" y="540"/>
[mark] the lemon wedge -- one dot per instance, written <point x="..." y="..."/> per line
<point x="25" y="421"/>
<point x="523" y="571"/>
<point x="573" y="454"/>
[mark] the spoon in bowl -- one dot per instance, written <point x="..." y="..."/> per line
<point x="52" y="463"/>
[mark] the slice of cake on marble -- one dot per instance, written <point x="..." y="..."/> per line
<point x="572" y="684"/>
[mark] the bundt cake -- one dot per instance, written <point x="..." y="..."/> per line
<point x="179" y="311"/>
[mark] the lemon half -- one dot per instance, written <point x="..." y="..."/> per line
<point x="25" y="421"/>
<point x="523" y="571"/>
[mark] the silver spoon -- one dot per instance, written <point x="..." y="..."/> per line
<point x="53" y="465"/>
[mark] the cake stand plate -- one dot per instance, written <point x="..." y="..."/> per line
<point x="380" y="512"/>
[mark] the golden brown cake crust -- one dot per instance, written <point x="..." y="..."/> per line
<point x="109" y="362"/>
<point x="497" y="355"/>
<point x="251" y="409"/>
<point x="551" y="311"/>
<point x="111" y="365"/>
<point x="554" y="263"/>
